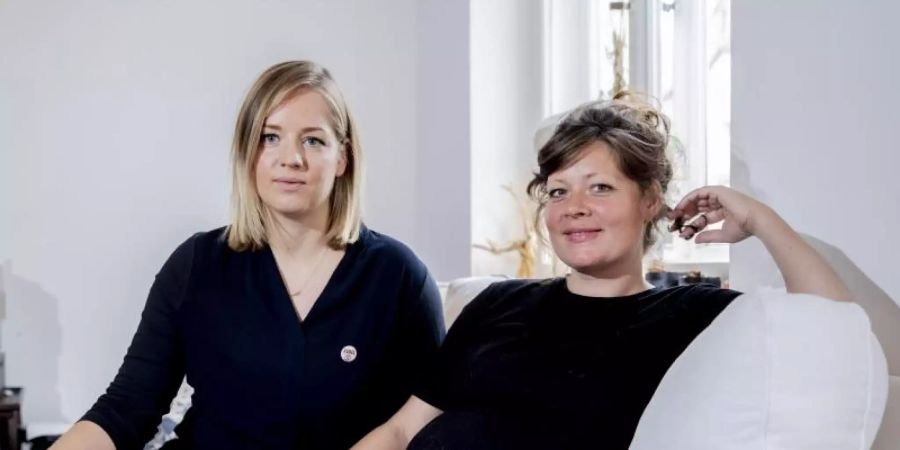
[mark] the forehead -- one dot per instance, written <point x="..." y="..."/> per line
<point x="306" y="108"/>
<point x="593" y="159"/>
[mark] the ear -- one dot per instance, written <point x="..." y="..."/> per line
<point x="342" y="161"/>
<point x="652" y="203"/>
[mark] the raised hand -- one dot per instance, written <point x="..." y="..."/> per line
<point x="712" y="204"/>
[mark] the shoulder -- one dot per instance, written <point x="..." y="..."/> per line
<point x="509" y="296"/>
<point x="519" y="288"/>
<point x="199" y="246"/>
<point x="204" y="241"/>
<point x="701" y="291"/>
<point x="698" y="297"/>
<point x="173" y="278"/>
<point x="211" y="240"/>
<point x="385" y="250"/>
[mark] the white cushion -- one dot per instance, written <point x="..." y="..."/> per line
<point x="773" y="371"/>
<point x="461" y="291"/>
<point x="889" y="433"/>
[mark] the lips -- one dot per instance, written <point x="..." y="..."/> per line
<point x="577" y="235"/>
<point x="289" y="183"/>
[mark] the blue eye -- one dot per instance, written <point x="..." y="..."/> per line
<point x="269" y="139"/>
<point x="601" y="187"/>
<point x="313" y="142"/>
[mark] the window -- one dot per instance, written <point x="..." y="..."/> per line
<point x="679" y="52"/>
<point x="532" y="61"/>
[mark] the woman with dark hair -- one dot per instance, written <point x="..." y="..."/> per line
<point x="571" y="363"/>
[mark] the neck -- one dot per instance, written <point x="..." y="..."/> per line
<point x="300" y="236"/>
<point x="625" y="279"/>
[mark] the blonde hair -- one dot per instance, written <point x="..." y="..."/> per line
<point x="247" y="230"/>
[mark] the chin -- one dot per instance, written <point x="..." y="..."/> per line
<point x="588" y="268"/>
<point x="578" y="255"/>
<point x="288" y="209"/>
<point x="593" y="261"/>
<point x="582" y="263"/>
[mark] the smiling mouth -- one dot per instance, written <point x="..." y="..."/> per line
<point x="582" y="235"/>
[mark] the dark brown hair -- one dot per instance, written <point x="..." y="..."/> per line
<point x="637" y="135"/>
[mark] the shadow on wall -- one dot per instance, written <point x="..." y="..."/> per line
<point x="32" y="342"/>
<point x="884" y="313"/>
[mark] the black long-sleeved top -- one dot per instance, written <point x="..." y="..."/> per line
<point x="262" y="378"/>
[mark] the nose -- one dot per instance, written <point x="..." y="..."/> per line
<point x="292" y="157"/>
<point x="575" y="206"/>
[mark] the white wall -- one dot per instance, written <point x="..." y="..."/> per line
<point x="507" y="105"/>
<point x="815" y="100"/>
<point x="531" y="60"/>
<point x="574" y="59"/>
<point x="442" y="182"/>
<point x="115" y="124"/>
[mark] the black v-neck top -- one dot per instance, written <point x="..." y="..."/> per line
<point x="531" y="365"/>
<point x="263" y="379"/>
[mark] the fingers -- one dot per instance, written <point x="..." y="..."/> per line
<point x="687" y="206"/>
<point x="701" y="221"/>
<point x="697" y="201"/>
<point x="695" y="226"/>
<point x="715" y="215"/>
<point x="707" y="206"/>
<point x="698" y="224"/>
<point x="711" y="236"/>
<point x="706" y="201"/>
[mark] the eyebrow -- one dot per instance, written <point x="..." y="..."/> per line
<point x="302" y="130"/>
<point x="585" y="177"/>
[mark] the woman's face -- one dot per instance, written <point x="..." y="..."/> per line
<point x="300" y="156"/>
<point x="595" y="214"/>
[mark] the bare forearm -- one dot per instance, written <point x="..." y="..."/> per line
<point x="803" y="269"/>
<point x="385" y="437"/>
<point x="397" y="432"/>
<point x="84" y="436"/>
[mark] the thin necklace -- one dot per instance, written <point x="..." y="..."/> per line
<point x="311" y="273"/>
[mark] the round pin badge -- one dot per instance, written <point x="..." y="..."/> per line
<point x="348" y="353"/>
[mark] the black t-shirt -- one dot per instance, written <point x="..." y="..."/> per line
<point x="531" y="365"/>
<point x="262" y="378"/>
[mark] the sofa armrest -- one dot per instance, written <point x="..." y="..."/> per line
<point x="888" y="437"/>
<point x="773" y="371"/>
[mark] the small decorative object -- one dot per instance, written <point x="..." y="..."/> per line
<point x="348" y="353"/>
<point x="692" y="277"/>
<point x="525" y="246"/>
<point x="618" y="57"/>
<point x="663" y="279"/>
<point x="695" y="277"/>
<point x="177" y="409"/>
<point x="619" y="18"/>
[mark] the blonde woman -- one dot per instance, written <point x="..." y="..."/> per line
<point x="296" y="325"/>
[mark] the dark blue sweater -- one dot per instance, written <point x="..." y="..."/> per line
<point x="262" y="378"/>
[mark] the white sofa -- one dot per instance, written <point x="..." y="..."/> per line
<point x="888" y="437"/>
<point x="774" y="371"/>
<point x="791" y="324"/>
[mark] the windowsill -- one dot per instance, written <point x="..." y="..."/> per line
<point x="708" y="259"/>
<point x="689" y="253"/>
